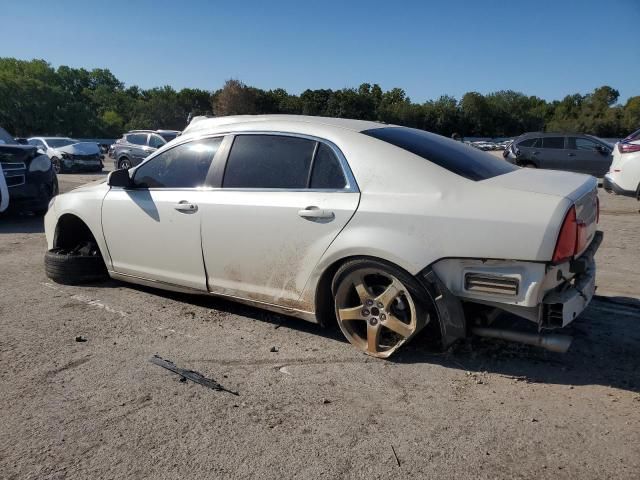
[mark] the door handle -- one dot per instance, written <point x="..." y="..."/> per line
<point x="315" y="212"/>
<point x="571" y="154"/>
<point x="535" y="153"/>
<point x="186" y="207"/>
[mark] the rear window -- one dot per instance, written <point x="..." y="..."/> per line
<point x="461" y="159"/>
<point x="553" y="142"/>
<point x="137" y="138"/>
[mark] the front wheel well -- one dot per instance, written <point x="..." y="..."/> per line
<point x="71" y="231"/>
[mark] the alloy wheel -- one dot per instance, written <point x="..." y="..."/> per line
<point x="376" y="312"/>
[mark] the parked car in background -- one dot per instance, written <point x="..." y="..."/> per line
<point x="168" y="135"/>
<point x="623" y="177"/>
<point x="4" y="192"/>
<point x="556" y="151"/>
<point x="28" y="174"/>
<point x="70" y="155"/>
<point x="383" y="229"/>
<point x="135" y="146"/>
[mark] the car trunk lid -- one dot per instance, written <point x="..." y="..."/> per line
<point x="580" y="190"/>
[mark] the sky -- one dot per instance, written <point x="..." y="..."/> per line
<point x="428" y="48"/>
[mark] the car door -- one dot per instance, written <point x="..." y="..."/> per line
<point x="588" y="156"/>
<point x="552" y="155"/>
<point x="152" y="229"/>
<point x="527" y="151"/>
<point x="282" y="201"/>
<point x="134" y="147"/>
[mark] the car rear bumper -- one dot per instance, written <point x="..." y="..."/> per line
<point x="612" y="187"/>
<point x="563" y="304"/>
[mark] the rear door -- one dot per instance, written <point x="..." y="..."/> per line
<point x="283" y="200"/>
<point x="588" y="156"/>
<point x="552" y="155"/>
<point x="134" y="148"/>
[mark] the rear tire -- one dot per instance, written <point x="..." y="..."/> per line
<point x="124" y="164"/>
<point x="378" y="306"/>
<point x="83" y="264"/>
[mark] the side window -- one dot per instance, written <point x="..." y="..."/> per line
<point x="137" y="138"/>
<point x="268" y="161"/>
<point x="577" y="143"/>
<point x="34" y="142"/>
<point x="184" y="166"/>
<point x="553" y="142"/>
<point x="327" y="171"/>
<point x="156" y="141"/>
<point x="529" y="142"/>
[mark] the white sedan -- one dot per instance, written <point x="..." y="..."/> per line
<point x="70" y="155"/>
<point x="384" y="229"/>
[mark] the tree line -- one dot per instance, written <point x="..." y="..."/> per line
<point x="36" y="98"/>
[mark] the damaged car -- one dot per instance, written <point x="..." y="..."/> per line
<point x="29" y="180"/>
<point x="383" y="229"/>
<point x="70" y="155"/>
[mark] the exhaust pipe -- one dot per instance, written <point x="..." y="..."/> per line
<point x="552" y="342"/>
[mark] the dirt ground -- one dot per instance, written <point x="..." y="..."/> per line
<point x="312" y="407"/>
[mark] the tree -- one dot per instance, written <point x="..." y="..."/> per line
<point x="235" y="98"/>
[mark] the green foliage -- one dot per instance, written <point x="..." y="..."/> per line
<point x="36" y="98"/>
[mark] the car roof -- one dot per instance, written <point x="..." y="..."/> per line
<point x="554" y="134"/>
<point x="266" y="122"/>
<point x="50" y="138"/>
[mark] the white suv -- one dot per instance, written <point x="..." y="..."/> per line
<point x="623" y="177"/>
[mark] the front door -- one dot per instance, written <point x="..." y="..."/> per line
<point x="152" y="229"/>
<point x="283" y="201"/>
<point x="588" y="156"/>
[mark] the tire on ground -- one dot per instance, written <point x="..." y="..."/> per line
<point x="71" y="268"/>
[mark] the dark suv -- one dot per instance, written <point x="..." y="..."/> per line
<point x="136" y="145"/>
<point x="29" y="175"/>
<point x="573" y="152"/>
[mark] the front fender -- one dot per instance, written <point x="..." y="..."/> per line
<point x="84" y="203"/>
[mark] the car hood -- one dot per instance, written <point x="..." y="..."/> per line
<point x="547" y="182"/>
<point x="80" y="148"/>
<point x="16" y="153"/>
<point x="100" y="184"/>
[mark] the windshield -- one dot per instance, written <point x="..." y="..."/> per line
<point x="5" y="138"/>
<point x="59" y="142"/>
<point x="461" y="159"/>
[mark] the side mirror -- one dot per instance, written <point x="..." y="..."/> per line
<point x="602" y="149"/>
<point x="119" y="178"/>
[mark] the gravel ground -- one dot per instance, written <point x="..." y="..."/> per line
<point x="312" y="407"/>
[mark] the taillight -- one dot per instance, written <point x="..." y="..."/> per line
<point x="572" y="239"/>
<point x="566" y="244"/>
<point x="628" y="147"/>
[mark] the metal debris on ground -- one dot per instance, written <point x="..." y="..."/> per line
<point x="190" y="375"/>
<point x="395" y="455"/>
<point x="80" y="338"/>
